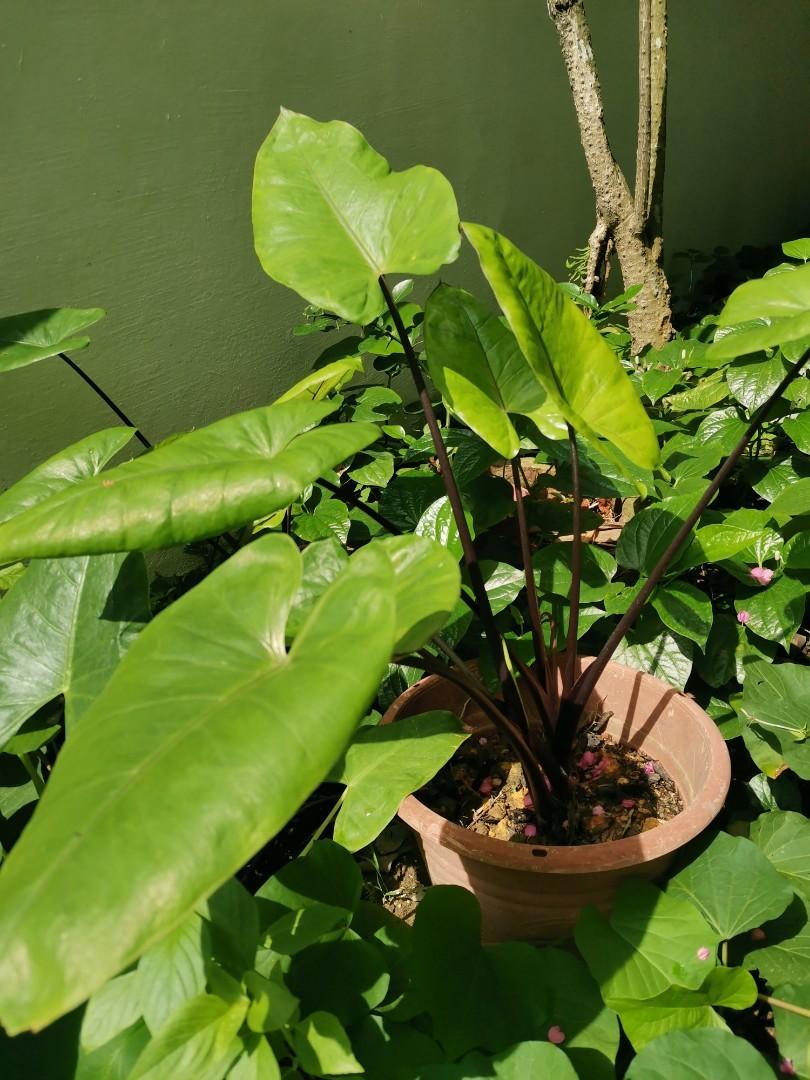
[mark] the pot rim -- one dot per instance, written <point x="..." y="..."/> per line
<point x="611" y="855"/>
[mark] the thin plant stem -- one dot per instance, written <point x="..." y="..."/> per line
<point x="724" y="953"/>
<point x="585" y="684"/>
<point x="357" y="502"/>
<point x="31" y="769"/>
<point x="528" y="570"/>
<point x="324" y="825"/>
<point x="454" y="496"/>
<point x="108" y="401"/>
<point x="788" y="1006"/>
<point x="576" y="569"/>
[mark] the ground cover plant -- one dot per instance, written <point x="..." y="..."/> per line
<point x="191" y="736"/>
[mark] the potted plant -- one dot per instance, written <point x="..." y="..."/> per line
<point x="323" y="198"/>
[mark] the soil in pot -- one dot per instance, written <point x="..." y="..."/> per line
<point x="618" y="791"/>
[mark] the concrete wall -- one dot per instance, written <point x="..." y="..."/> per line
<point x="129" y="131"/>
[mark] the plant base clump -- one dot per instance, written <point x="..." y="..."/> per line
<point x="616" y="791"/>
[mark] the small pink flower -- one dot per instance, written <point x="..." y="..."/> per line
<point x="758" y="935"/>
<point x="743" y="617"/>
<point x="587" y="760"/>
<point x="704" y="953"/>
<point x="483" y="740"/>
<point x="528" y="802"/>
<point x="786" y="1067"/>
<point x="486" y="785"/>
<point x="530" y="830"/>
<point x="597" y="770"/>
<point x="628" y="804"/>
<point x="761" y="575"/>
<point x="649" y="768"/>
<point x="598" y="810"/>
<point x="556" y="1035"/>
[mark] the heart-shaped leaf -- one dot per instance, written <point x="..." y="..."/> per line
<point x="704" y="1054"/>
<point x="208" y="681"/>
<point x="733" y="885"/>
<point x="578" y="370"/>
<point x="36" y="335"/>
<point x="685" y="609"/>
<point x="201" y="484"/>
<point x="781" y="301"/>
<point x="783" y="836"/>
<point x="775" y="613"/>
<point x="330" y="217"/>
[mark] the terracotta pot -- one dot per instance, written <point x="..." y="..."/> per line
<point x="534" y="892"/>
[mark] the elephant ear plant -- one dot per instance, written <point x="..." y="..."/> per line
<point x="324" y="199"/>
<point x="192" y="741"/>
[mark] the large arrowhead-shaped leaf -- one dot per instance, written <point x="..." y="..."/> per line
<point x="330" y="217"/>
<point x="574" y="364"/>
<point x="476" y="364"/>
<point x="71" y="465"/>
<point x="780" y="301"/>
<point x="201" y="484"/>
<point x="206" y="740"/>
<point x="63" y="630"/>
<point x="36" y="335"/>
<point x="783" y="836"/>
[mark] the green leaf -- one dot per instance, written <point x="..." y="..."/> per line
<point x="439" y="524"/>
<point x="580" y="373"/>
<point x="700" y="397"/>
<point x="324" y="380"/>
<point x="661" y="653"/>
<point x="477" y="366"/>
<point x="114" y="1060"/>
<point x="257" y="1062"/>
<point x="330" y="518"/>
<point x="753" y="381"/>
<point x="685" y="609"/>
<point x="383" y="765"/>
<point x="776" y="612"/>
<point x="785" y="954"/>
<point x="793" y="501"/>
<point x="330" y="217"/>
<point x="792" y="1029"/>
<point x="112" y="1009"/>
<point x="323" y="1047"/>
<point x="344" y="978"/>
<point x="781" y="302"/>
<point x="376" y="472"/>
<point x="797" y="249"/>
<point x="321" y="562"/>
<point x="217" y="478"/>
<point x="713" y="543"/>
<point x="232" y="923"/>
<point x="36" y="335"/>
<point x="722" y="428"/>
<point x="71" y="465"/>
<point x="552" y="566"/>
<point x="172" y="972"/>
<point x="146" y="762"/>
<point x="733" y="885"/>
<point x="526" y="1059"/>
<point x="784" y="838"/>
<point x="502" y="582"/>
<point x="199" y="1041"/>
<point x="677" y="1009"/>
<point x="63" y="630"/>
<point x="727" y="652"/>
<point x="652" y="942"/>
<point x="427" y="584"/>
<point x="646" y="536"/>
<point x="798" y="429"/>
<point x="704" y="1054"/>
<point x="272" y="1006"/>
<point x="327" y="874"/>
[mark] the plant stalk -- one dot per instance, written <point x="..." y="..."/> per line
<point x="510" y="693"/>
<point x="788" y="1006"/>
<point x="583" y="687"/>
<point x="576" y="570"/>
<point x="31" y="769"/>
<point x="108" y="401"/>
<point x="528" y="570"/>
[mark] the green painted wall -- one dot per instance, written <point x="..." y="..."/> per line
<point x="129" y="130"/>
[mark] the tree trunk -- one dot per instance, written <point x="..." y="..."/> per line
<point x="631" y="223"/>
